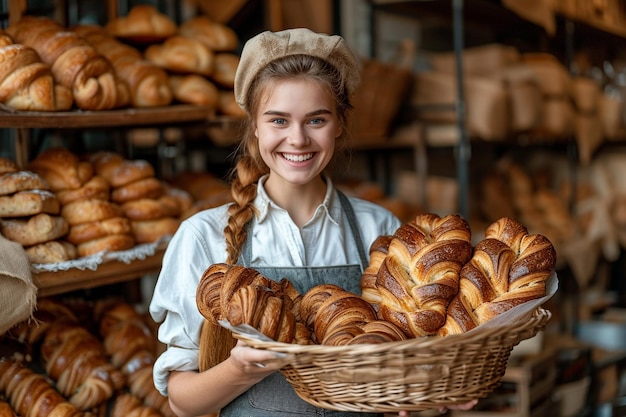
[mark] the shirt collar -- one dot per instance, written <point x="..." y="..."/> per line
<point x="331" y="205"/>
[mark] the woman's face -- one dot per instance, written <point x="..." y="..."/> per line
<point x="296" y="127"/>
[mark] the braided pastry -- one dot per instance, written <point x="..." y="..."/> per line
<point x="420" y="274"/>
<point x="76" y="361"/>
<point x="30" y="393"/>
<point x="508" y="268"/>
<point x="378" y="251"/>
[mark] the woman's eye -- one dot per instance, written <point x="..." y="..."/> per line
<point x="316" y="121"/>
<point x="279" y="121"/>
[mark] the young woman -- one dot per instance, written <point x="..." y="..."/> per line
<point x="287" y="220"/>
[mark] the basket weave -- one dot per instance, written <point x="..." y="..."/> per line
<point x="414" y="374"/>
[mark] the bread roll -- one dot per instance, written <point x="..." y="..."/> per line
<point x="84" y="232"/>
<point x="85" y="211"/>
<point x="13" y="182"/>
<point x="127" y="172"/>
<point x="109" y="243"/>
<point x="142" y="21"/>
<point x="96" y="188"/>
<point x="151" y="208"/>
<point x="224" y="69"/>
<point x="228" y="105"/>
<point x="51" y="252"/>
<point x="180" y="54"/>
<point x="144" y="188"/>
<point x="30" y="231"/>
<point x="61" y="168"/>
<point x="195" y="89"/>
<point x="28" y="203"/>
<point x="214" y="35"/>
<point x="148" y="231"/>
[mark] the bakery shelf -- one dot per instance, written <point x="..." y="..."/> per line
<point x="58" y="282"/>
<point x="175" y="114"/>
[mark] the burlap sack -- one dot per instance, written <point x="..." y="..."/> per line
<point x="18" y="294"/>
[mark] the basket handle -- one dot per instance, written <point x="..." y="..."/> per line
<point x="410" y="375"/>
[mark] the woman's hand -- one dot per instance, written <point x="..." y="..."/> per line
<point x="256" y="363"/>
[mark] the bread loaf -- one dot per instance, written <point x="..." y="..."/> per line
<point x="224" y="69"/>
<point x="214" y="35"/>
<point x="109" y="243"/>
<point x="151" y="208"/>
<point x="96" y="188"/>
<point x="27" y="83"/>
<point x="147" y="83"/>
<point x="144" y="188"/>
<point x="90" y="210"/>
<point x="28" y="203"/>
<point x="13" y="182"/>
<point x="420" y="274"/>
<point x="51" y="252"/>
<point x="61" y="168"/>
<point x="180" y="54"/>
<point x="75" y="64"/>
<point x="32" y="230"/>
<point x="509" y="267"/>
<point x="85" y="232"/>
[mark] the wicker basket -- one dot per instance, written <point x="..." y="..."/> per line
<point x="415" y="374"/>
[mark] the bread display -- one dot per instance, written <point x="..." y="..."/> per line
<point x="74" y="62"/>
<point x="27" y="83"/>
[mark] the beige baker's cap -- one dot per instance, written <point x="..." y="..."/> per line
<point x="267" y="46"/>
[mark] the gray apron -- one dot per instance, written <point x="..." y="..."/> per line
<point x="274" y="396"/>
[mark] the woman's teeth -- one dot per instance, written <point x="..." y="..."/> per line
<point x="297" y="158"/>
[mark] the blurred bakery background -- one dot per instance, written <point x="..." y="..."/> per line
<point x="486" y="108"/>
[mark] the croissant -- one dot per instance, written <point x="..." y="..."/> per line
<point x="27" y="83"/>
<point x="6" y="410"/>
<point x="30" y="393"/>
<point x="49" y="310"/>
<point x="420" y="274"/>
<point x="73" y="61"/>
<point x="260" y="308"/>
<point x="180" y="54"/>
<point x="338" y="317"/>
<point x="131" y="347"/>
<point x="76" y="361"/>
<point x="148" y="84"/>
<point x="61" y="168"/>
<point x="509" y="267"/>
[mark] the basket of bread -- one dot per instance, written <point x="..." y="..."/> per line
<point x="434" y="325"/>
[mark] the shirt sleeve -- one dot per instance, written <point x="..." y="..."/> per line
<point x="173" y="303"/>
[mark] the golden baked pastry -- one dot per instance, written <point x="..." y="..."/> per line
<point x="28" y="203"/>
<point x="181" y="54"/>
<point x="32" y="230"/>
<point x="91" y="210"/>
<point x="109" y="243"/>
<point x="84" y="232"/>
<point x="143" y="21"/>
<point x="51" y="252"/>
<point x="216" y="36"/>
<point x="12" y="182"/>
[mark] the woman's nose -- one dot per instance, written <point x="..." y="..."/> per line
<point x="298" y="136"/>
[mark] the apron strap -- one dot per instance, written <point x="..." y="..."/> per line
<point x="246" y="253"/>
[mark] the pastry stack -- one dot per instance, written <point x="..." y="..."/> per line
<point x="141" y="197"/>
<point x="95" y="223"/>
<point x="30" y="215"/>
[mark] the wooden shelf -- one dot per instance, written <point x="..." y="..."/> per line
<point x="52" y="283"/>
<point x="176" y="114"/>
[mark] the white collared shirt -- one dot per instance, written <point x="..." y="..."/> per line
<point x="277" y="241"/>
